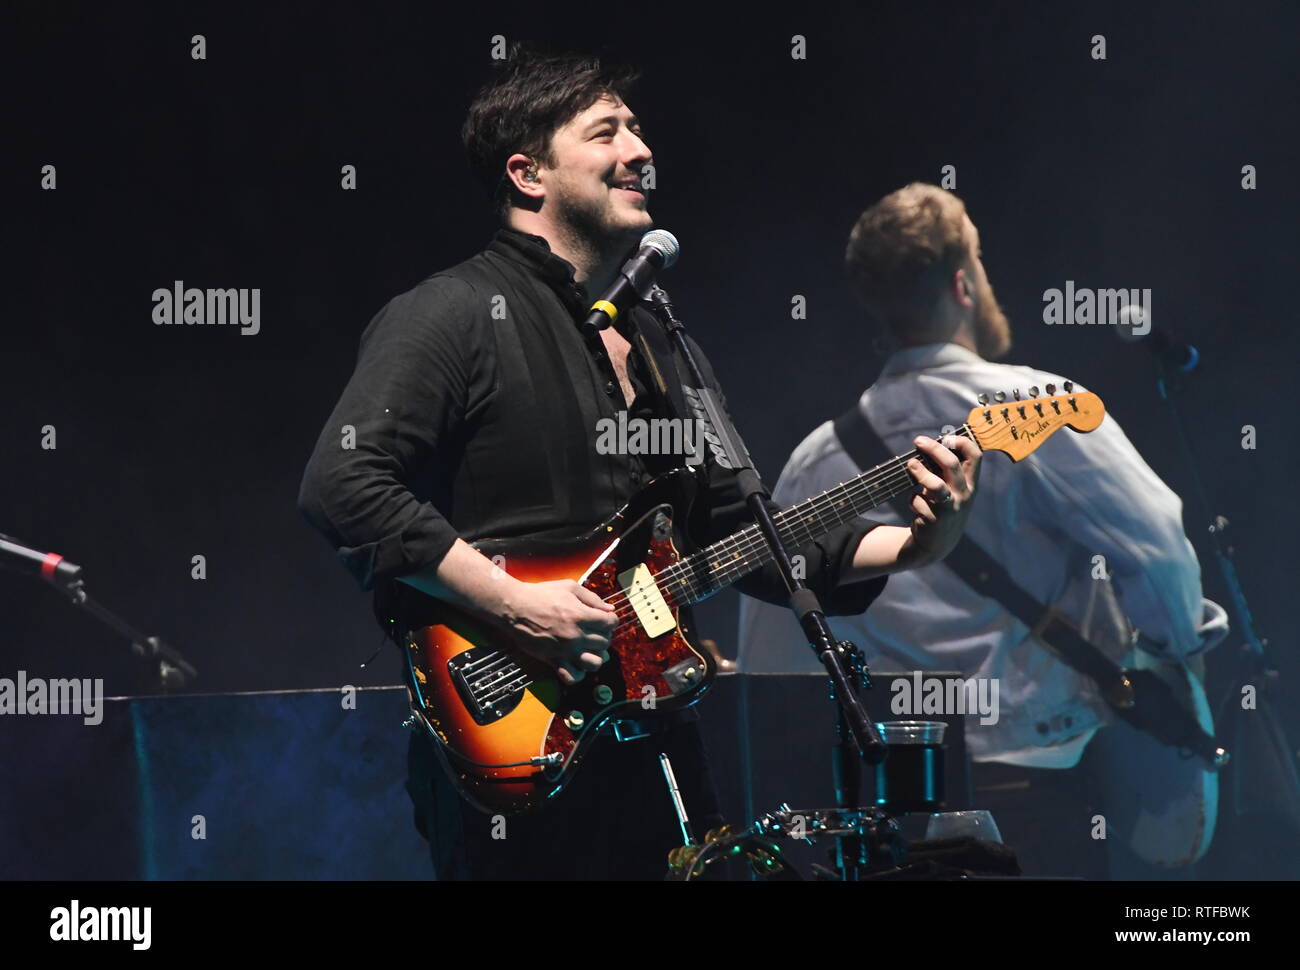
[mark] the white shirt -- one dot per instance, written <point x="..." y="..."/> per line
<point x="1044" y="518"/>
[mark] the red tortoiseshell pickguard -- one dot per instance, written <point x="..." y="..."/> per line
<point x="483" y="758"/>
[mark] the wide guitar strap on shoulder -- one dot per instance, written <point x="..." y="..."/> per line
<point x="1140" y="697"/>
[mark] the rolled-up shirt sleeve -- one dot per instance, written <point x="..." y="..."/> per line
<point x="826" y="560"/>
<point x="406" y="400"/>
<point x="823" y="560"/>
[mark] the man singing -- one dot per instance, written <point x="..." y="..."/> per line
<point x="475" y="402"/>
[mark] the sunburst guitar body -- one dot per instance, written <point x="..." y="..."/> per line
<point x="509" y="732"/>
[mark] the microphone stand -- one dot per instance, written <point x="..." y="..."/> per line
<point x="1254" y="645"/>
<point x="1253" y="663"/>
<point x="173" y="669"/>
<point x="857" y="737"/>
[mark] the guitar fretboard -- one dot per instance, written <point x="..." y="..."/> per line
<point x="717" y="566"/>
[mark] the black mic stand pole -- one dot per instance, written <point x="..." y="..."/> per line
<point x="843" y="661"/>
<point x="1253" y="665"/>
<point x="1253" y="644"/>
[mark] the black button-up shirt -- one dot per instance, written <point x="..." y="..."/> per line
<point x="473" y="412"/>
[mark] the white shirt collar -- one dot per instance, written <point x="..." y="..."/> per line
<point x="927" y="355"/>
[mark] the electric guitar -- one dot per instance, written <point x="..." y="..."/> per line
<point x="511" y="735"/>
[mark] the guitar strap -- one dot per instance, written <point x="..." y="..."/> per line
<point x="655" y="349"/>
<point x="1159" y="713"/>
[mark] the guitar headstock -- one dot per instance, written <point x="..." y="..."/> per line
<point x="1016" y="427"/>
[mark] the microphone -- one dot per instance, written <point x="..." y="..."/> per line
<point x="658" y="250"/>
<point x="1133" y="326"/>
<point x="49" y="566"/>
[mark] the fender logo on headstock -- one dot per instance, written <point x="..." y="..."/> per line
<point x="1031" y="433"/>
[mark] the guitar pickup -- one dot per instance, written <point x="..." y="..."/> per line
<point x="647" y="601"/>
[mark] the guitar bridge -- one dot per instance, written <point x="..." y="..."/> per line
<point x="489" y="683"/>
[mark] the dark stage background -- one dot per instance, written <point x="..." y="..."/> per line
<point x="225" y="172"/>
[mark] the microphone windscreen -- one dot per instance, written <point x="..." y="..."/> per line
<point x="665" y="242"/>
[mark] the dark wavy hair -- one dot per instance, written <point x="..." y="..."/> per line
<point x="532" y="93"/>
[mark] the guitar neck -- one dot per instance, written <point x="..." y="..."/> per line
<point x="721" y="564"/>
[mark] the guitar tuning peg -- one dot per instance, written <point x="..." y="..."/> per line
<point x="1000" y="396"/>
<point x="1016" y="392"/>
<point x="1033" y="391"/>
<point x="1069" y="387"/>
<point x="1051" y="389"/>
<point x="983" y="399"/>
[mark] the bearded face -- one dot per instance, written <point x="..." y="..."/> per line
<point x="992" y="328"/>
<point x="595" y="190"/>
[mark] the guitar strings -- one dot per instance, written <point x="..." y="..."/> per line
<point x="741" y="547"/>
<point x="894" y="479"/>
<point x="891" y="476"/>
